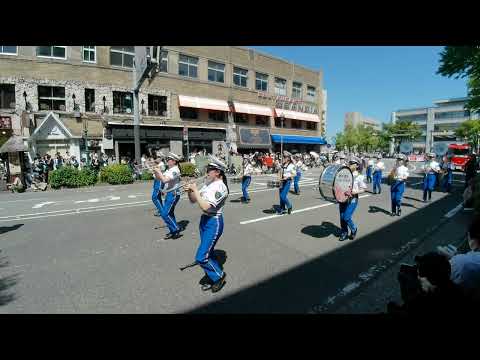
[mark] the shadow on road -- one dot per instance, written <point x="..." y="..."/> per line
<point x="325" y="229"/>
<point x="183" y="224"/>
<point x="5" y="229"/>
<point x="414" y="199"/>
<point x="6" y="283"/>
<point x="375" y="209"/>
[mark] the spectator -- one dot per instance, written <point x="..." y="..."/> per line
<point x="74" y="162"/>
<point x="470" y="169"/>
<point x="468" y="195"/>
<point x="49" y="165"/>
<point x="104" y="159"/>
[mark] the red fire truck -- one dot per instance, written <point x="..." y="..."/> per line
<point x="462" y="153"/>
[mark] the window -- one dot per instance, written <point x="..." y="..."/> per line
<point x="164" y="61"/>
<point x="7" y="96"/>
<point x="451" y="115"/>
<point x="296" y="124"/>
<point x="216" y="72"/>
<point x="311" y="125"/>
<point x="187" y="66"/>
<point x="8" y="50"/>
<point x="89" y="100"/>
<point x="311" y="91"/>
<point x="261" y="82"/>
<point x="217" y="116"/>
<point x="188" y="113"/>
<point x="240" y="76"/>
<point x="56" y="52"/>
<point x="122" y="56"/>
<point x="157" y="105"/>
<point x="280" y="86"/>
<point x="51" y="98"/>
<point x="241" y="118"/>
<point x="296" y="90"/>
<point x="261" y="120"/>
<point x="278" y="122"/>
<point x="89" y="54"/>
<point x="122" y="102"/>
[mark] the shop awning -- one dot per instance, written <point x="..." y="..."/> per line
<point x="297" y="115"/>
<point x="202" y="103"/>
<point x="297" y="139"/>
<point x="252" y="109"/>
<point x="14" y="144"/>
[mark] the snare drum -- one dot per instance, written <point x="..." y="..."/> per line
<point x="274" y="183"/>
<point x="334" y="181"/>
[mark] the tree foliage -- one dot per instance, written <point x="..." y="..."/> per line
<point x="461" y="62"/>
<point x="470" y="129"/>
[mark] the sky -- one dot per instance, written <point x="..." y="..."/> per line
<point x="373" y="80"/>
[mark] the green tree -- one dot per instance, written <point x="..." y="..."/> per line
<point x="461" y="62"/>
<point x="470" y="129"/>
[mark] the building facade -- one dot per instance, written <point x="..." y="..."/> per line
<point x="79" y="98"/>
<point x="355" y="118"/>
<point x="438" y="123"/>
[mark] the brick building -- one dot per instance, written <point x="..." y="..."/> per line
<point x="58" y="96"/>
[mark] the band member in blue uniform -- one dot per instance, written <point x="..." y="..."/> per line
<point x="157" y="186"/>
<point x="448" y="168"/>
<point x="287" y="172"/>
<point x="400" y="175"/>
<point x="348" y="207"/>
<point x="211" y="199"/>
<point x="246" y="179"/>
<point x="431" y="168"/>
<point x="377" y="175"/>
<point x="370" y="164"/>
<point x="298" y="166"/>
<point x="170" y="178"/>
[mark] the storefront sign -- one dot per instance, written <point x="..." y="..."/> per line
<point x="252" y="136"/>
<point x="5" y="122"/>
<point x="287" y="103"/>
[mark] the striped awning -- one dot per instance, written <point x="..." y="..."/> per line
<point x="202" y="103"/>
<point x="252" y="109"/>
<point x="297" y="115"/>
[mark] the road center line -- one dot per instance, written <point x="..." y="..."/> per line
<point x="293" y="212"/>
<point x="454" y="211"/>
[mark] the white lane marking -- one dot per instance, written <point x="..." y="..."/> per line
<point x="455" y="210"/>
<point x="38" y="206"/>
<point x="257" y="183"/>
<point x="421" y="182"/>
<point x="293" y="212"/>
<point x="93" y="200"/>
<point x="6" y="201"/>
<point x="131" y="196"/>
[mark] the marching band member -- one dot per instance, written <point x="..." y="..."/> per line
<point x="210" y="198"/>
<point x="340" y="160"/>
<point x="370" y="164"/>
<point x="431" y="168"/>
<point x="287" y="173"/>
<point x="377" y="175"/>
<point x="246" y="179"/>
<point x="170" y="178"/>
<point x="448" y="168"/>
<point x="348" y="207"/>
<point x="298" y="165"/>
<point x="400" y="175"/>
<point x="157" y="187"/>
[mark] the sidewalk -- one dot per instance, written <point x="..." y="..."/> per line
<point x="374" y="295"/>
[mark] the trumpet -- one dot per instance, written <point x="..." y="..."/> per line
<point x="182" y="185"/>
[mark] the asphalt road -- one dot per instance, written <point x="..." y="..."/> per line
<point x="97" y="250"/>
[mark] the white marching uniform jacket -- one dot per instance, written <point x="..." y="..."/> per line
<point x="379" y="166"/>
<point x="358" y="182"/>
<point x="431" y="167"/>
<point x="401" y="173"/>
<point x="448" y="166"/>
<point x="370" y="163"/>
<point x="299" y="165"/>
<point x="289" y="171"/>
<point x="215" y="194"/>
<point x="173" y="176"/>
<point x="248" y="170"/>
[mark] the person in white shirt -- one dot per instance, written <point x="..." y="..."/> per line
<point x="298" y="167"/>
<point x="448" y="168"/>
<point x="246" y="179"/>
<point x="400" y="175"/>
<point x="348" y="207"/>
<point x="340" y="160"/>
<point x="211" y="199"/>
<point x="377" y="175"/>
<point x="431" y="169"/>
<point x="288" y="171"/>
<point x="170" y="179"/>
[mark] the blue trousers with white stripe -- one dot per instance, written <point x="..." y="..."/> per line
<point x="157" y="195"/>
<point x="346" y="212"/>
<point x="284" y="189"/>
<point x="369" y="174"/>
<point x="168" y="211"/>
<point x="245" y="184"/>
<point x="377" y="180"/>
<point x="296" y="179"/>
<point x="428" y="185"/>
<point x="211" y="228"/>
<point x="396" y="193"/>
<point x="447" y="180"/>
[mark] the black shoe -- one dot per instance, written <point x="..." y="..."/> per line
<point x="399" y="212"/>
<point x="283" y="212"/>
<point x="206" y="283"/>
<point x="353" y="234"/>
<point x="392" y="213"/>
<point x="289" y="211"/>
<point x="156" y="213"/>
<point x="217" y="286"/>
<point x="343" y="237"/>
<point x="174" y="235"/>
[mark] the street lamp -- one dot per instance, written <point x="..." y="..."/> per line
<point x="104" y="106"/>
<point x="25" y="97"/>
<point x="282" y="119"/>
<point x="74" y="105"/>
<point x="143" y="102"/>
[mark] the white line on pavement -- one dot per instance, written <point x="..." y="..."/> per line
<point x="293" y="212"/>
<point x="455" y="210"/>
<point x="421" y="182"/>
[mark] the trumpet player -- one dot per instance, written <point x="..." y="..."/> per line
<point x="171" y="178"/>
<point x="211" y="199"/>
<point x="400" y="175"/>
<point x="431" y="169"/>
<point x="246" y="179"/>
<point x="287" y="172"/>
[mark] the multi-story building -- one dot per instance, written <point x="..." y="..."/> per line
<point x="59" y="96"/>
<point x="355" y="118"/>
<point x="438" y="123"/>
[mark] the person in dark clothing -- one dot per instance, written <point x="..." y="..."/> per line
<point x="470" y="169"/>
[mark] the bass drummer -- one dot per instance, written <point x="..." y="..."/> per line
<point x="348" y="207"/>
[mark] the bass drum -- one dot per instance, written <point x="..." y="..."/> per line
<point x="334" y="181"/>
